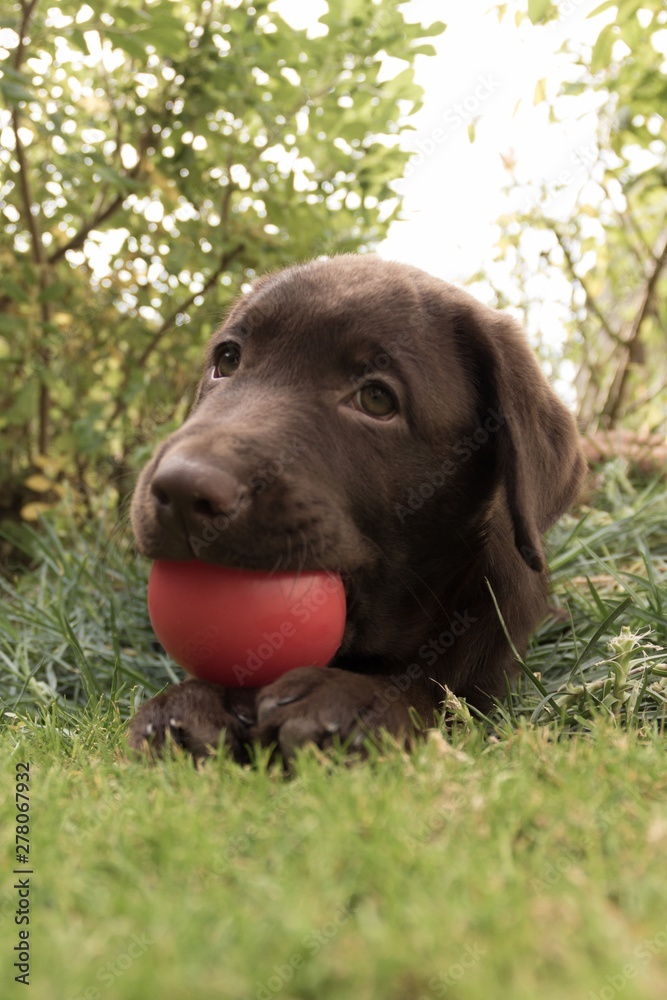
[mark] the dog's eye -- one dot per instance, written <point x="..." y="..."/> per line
<point x="226" y="360"/>
<point x="375" y="400"/>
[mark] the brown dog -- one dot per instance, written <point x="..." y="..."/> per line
<point x="363" y="417"/>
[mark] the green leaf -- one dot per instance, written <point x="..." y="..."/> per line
<point x="53" y="292"/>
<point x="111" y="176"/>
<point x="76" y="38"/>
<point x="24" y="405"/>
<point x="12" y="288"/>
<point x="540" y="10"/>
<point x="601" y="55"/>
<point x="10" y="324"/>
<point x="436" y="28"/>
<point x="607" y="5"/>
<point x="424" y="50"/>
<point x="128" y="42"/>
<point x="628" y="8"/>
<point x="14" y="86"/>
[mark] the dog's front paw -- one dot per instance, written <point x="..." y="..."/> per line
<point x="330" y="706"/>
<point x="195" y="716"/>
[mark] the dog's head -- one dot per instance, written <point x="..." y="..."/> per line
<point x="361" y="416"/>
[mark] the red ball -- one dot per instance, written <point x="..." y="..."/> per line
<point x="243" y="628"/>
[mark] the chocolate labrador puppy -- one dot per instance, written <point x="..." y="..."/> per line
<point x="363" y="417"/>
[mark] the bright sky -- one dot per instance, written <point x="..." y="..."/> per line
<point x="485" y="71"/>
<point x="454" y="189"/>
<point x="488" y="71"/>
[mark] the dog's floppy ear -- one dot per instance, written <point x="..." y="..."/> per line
<point x="537" y="446"/>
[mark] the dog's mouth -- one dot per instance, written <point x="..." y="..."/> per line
<point x="270" y="566"/>
<point x="347" y="587"/>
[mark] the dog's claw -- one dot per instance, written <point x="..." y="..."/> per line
<point x="176" y="729"/>
<point x="194" y="717"/>
<point x="285" y="700"/>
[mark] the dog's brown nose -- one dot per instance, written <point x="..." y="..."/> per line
<point x="186" y="487"/>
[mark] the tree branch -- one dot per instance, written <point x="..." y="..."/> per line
<point x="612" y="407"/>
<point x="27" y="11"/>
<point x="166" y="326"/>
<point x="31" y="222"/>
<point x="169" y="322"/>
<point x="590" y="301"/>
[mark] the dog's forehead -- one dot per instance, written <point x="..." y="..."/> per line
<point x="352" y="317"/>
<point x="348" y="305"/>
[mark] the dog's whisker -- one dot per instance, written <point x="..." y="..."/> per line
<point x="288" y="550"/>
<point x="303" y="560"/>
<point x="424" y="584"/>
<point x="416" y="596"/>
<point x="405" y="583"/>
<point x="276" y="566"/>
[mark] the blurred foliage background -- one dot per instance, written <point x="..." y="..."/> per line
<point x="613" y="247"/>
<point x="156" y="154"/>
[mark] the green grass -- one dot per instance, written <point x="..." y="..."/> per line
<point x="74" y="629"/>
<point x="519" y="856"/>
<point x="526" y="867"/>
